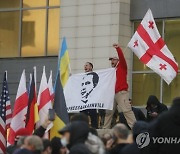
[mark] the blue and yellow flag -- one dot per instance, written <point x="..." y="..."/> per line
<point x="64" y="63"/>
<point x="60" y="108"/>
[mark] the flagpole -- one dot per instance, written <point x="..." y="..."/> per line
<point x="35" y="77"/>
<point x="125" y="48"/>
<point x="6" y="74"/>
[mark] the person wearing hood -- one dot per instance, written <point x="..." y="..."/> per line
<point x="168" y="127"/>
<point x="74" y="136"/>
<point x="83" y="117"/>
<point x="57" y="147"/>
<point x="154" y="108"/>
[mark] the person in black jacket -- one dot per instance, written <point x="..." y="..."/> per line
<point x="83" y="117"/>
<point x="74" y="136"/>
<point x="40" y="131"/>
<point x="154" y="108"/>
<point x="119" y="139"/>
<point x="57" y="147"/>
<point x="168" y="126"/>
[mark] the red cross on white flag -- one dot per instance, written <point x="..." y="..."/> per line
<point x="150" y="48"/>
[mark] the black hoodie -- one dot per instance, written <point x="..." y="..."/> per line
<point x="168" y="126"/>
<point x="78" y="135"/>
<point x="152" y="100"/>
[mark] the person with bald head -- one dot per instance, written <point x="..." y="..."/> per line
<point x="119" y="140"/>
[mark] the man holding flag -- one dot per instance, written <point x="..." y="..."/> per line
<point x="88" y="67"/>
<point x="121" y="89"/>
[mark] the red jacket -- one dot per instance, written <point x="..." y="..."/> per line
<point x="121" y="73"/>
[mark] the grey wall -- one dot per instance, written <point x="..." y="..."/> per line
<point x="160" y="8"/>
<point x="15" y="67"/>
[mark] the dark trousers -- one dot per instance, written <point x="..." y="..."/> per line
<point x="101" y="117"/>
<point x="93" y="116"/>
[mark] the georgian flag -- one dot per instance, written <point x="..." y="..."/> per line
<point x="91" y="90"/>
<point x="151" y="49"/>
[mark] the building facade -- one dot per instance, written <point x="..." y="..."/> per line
<point x="31" y="32"/>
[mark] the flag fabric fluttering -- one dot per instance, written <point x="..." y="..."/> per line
<point x="44" y="99"/>
<point x="60" y="108"/>
<point x="20" y="109"/>
<point x="32" y="113"/>
<point x="5" y="114"/>
<point x="151" y="49"/>
<point x="64" y="63"/>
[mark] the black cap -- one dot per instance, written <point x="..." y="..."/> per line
<point x="67" y="128"/>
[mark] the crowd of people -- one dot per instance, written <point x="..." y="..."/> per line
<point x="124" y="125"/>
<point x="78" y="137"/>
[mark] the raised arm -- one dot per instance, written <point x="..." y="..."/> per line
<point x="122" y="60"/>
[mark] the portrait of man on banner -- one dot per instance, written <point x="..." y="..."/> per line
<point x="89" y="82"/>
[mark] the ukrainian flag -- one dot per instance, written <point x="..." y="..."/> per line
<point x="64" y="63"/>
<point x="60" y="108"/>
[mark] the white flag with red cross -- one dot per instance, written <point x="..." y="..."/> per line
<point x="151" y="49"/>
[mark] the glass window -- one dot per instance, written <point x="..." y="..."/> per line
<point x="54" y="2"/>
<point x="33" y="3"/>
<point x="53" y="31"/>
<point x="33" y="33"/>
<point x="171" y="91"/>
<point x="39" y="33"/>
<point x="144" y="85"/>
<point x="137" y="64"/>
<point x="172" y="37"/>
<point x="9" y="34"/>
<point x="9" y="4"/>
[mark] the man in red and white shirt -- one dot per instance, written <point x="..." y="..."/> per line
<point x="121" y="89"/>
